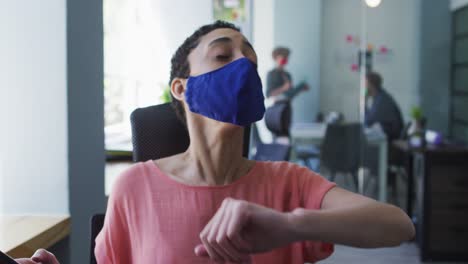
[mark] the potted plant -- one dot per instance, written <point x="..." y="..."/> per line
<point x="417" y="129"/>
<point x="166" y="95"/>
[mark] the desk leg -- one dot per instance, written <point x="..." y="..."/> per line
<point x="293" y="155"/>
<point x="383" y="152"/>
<point x="409" y="196"/>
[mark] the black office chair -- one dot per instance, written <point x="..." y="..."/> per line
<point x="309" y="153"/>
<point x="156" y="133"/>
<point x="278" y="119"/>
<point x="97" y="222"/>
<point x="342" y="149"/>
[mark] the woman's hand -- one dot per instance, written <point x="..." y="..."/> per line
<point x="287" y="86"/>
<point x="40" y="257"/>
<point x="240" y="228"/>
<point x="287" y="83"/>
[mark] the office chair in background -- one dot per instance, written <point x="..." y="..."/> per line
<point x="342" y="148"/>
<point x="310" y="154"/>
<point x="156" y="133"/>
<point x="278" y="121"/>
<point x="97" y="222"/>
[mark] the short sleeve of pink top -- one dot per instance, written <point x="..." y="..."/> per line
<point x="151" y="218"/>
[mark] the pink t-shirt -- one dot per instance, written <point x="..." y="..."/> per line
<point x="152" y="218"/>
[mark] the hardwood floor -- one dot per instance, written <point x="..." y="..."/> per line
<point x="406" y="253"/>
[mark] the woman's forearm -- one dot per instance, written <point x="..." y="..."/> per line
<point x="367" y="226"/>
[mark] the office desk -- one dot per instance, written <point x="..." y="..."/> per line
<point x="314" y="133"/>
<point x="21" y="236"/>
<point x="441" y="177"/>
<point x="408" y="153"/>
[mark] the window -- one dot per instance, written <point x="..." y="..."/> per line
<point x="140" y="37"/>
<point x="459" y="91"/>
<point x="136" y="65"/>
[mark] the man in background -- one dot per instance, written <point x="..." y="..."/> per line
<point x="381" y="108"/>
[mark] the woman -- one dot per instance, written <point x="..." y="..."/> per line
<point x="211" y="204"/>
<point x="281" y="92"/>
<point x="279" y="81"/>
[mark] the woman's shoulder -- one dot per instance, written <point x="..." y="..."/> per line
<point x="144" y="175"/>
<point x="130" y="178"/>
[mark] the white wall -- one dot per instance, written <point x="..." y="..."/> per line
<point x="2" y="172"/>
<point x="297" y="25"/>
<point x="179" y="19"/>
<point x="137" y="53"/>
<point x="455" y="4"/>
<point x="395" y="24"/>
<point x="263" y="35"/>
<point x="33" y="128"/>
<point x="164" y="25"/>
<point x="263" y="42"/>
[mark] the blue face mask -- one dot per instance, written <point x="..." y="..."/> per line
<point x="231" y="94"/>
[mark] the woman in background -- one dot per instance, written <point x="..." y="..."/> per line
<point x="279" y="81"/>
<point x="281" y="92"/>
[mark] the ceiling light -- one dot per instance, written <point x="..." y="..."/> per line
<point x="373" y="3"/>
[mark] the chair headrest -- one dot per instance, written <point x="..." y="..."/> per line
<point x="157" y="133"/>
<point x="278" y="119"/>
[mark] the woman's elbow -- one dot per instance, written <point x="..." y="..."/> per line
<point x="403" y="228"/>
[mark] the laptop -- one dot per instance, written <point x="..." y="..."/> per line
<point x="5" y="259"/>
